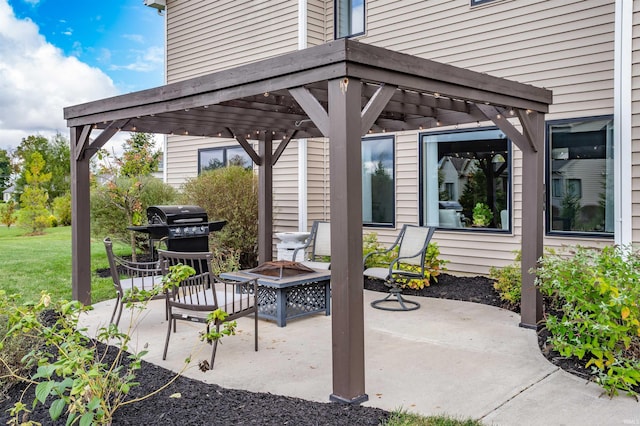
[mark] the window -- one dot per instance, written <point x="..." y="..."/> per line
<point x="462" y="172"/>
<point x="349" y="18"/>
<point x="214" y="158"/>
<point x="378" y="183"/>
<point x="580" y="167"/>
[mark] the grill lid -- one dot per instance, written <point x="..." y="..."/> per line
<point x="171" y="215"/>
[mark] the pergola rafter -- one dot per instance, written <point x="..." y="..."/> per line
<point x="340" y="90"/>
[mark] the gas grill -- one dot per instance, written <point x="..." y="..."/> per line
<point x="182" y="228"/>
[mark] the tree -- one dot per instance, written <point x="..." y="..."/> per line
<point x="8" y="213"/>
<point x="56" y="156"/>
<point x="121" y="202"/>
<point x="5" y="170"/>
<point x="33" y="201"/>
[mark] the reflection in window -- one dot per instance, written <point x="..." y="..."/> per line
<point x="215" y="158"/>
<point x="349" y="18"/>
<point x="580" y="165"/>
<point x="378" y="187"/>
<point x="463" y="172"/>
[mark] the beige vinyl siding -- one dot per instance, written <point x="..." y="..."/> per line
<point x="220" y="34"/>
<point x="316" y="22"/>
<point x="285" y="190"/>
<point x="317" y="180"/>
<point x="635" y="123"/>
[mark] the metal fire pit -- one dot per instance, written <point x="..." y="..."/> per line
<point x="281" y="269"/>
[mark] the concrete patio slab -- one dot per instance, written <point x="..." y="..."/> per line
<point x="451" y="357"/>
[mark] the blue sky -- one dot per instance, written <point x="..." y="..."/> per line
<point x="56" y="53"/>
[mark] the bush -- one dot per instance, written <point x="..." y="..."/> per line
<point x="109" y="216"/>
<point x="432" y="262"/>
<point x="62" y="209"/>
<point x="599" y="296"/>
<point x="8" y="213"/>
<point x="231" y="194"/>
<point x="509" y="282"/>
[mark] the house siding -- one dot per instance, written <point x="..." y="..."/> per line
<point x="635" y="123"/>
<point x="566" y="46"/>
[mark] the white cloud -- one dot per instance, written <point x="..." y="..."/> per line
<point x="145" y="61"/>
<point x="138" y="38"/>
<point x="37" y="81"/>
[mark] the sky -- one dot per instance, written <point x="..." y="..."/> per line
<point x="58" y="53"/>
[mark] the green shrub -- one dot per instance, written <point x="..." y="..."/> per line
<point x="123" y="202"/>
<point x="231" y="194"/>
<point x="433" y="264"/>
<point x="482" y="214"/>
<point x="509" y="281"/>
<point x="599" y="296"/>
<point x="8" y="213"/>
<point x="62" y="209"/>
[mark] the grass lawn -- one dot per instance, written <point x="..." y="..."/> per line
<point x="31" y="264"/>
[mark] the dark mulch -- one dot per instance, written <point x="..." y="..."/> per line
<point x="208" y="404"/>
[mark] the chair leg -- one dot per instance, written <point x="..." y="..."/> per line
<point x="166" y="341"/>
<point x="395" y="295"/>
<point x="255" y="316"/>
<point x="115" y="309"/>
<point x="215" y="346"/>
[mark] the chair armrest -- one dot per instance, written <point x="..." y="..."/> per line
<point x="373" y="253"/>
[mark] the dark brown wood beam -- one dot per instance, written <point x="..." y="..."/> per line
<point x="81" y="229"/>
<point x="247" y="148"/>
<point x="265" y="201"/>
<point x="347" y="282"/>
<point x="375" y="106"/>
<point x="312" y="107"/>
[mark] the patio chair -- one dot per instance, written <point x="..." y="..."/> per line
<point x="203" y="293"/>
<point x="412" y="245"/>
<point x="129" y="278"/>
<point x="320" y="243"/>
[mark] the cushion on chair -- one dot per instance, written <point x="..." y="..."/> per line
<point x="317" y="265"/>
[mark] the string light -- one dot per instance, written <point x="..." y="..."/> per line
<point x="499" y="116"/>
<point x="511" y="112"/>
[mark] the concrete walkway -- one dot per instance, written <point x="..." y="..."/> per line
<point x="448" y="357"/>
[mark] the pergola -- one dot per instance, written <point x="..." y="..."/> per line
<point x="340" y="90"/>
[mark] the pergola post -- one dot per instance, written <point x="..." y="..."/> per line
<point x="80" y="212"/>
<point x="532" y="214"/>
<point x="265" y="200"/>
<point x="347" y="282"/>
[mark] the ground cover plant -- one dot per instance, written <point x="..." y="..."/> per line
<point x="597" y="298"/>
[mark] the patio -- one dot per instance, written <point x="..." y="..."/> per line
<point x="341" y="90"/>
<point x="429" y="361"/>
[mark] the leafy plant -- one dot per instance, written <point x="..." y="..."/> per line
<point x="482" y="215"/>
<point x="8" y="213"/>
<point x="231" y="194"/>
<point x="434" y="265"/>
<point x="599" y="296"/>
<point x="33" y="201"/>
<point x="509" y="281"/>
<point x="62" y="209"/>
<point x="122" y="202"/>
<point x="73" y="371"/>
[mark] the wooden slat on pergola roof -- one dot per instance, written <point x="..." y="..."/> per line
<point x="341" y="90"/>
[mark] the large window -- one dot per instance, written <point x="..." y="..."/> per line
<point x="580" y="173"/>
<point x="378" y="183"/>
<point x="214" y="158"/>
<point x="349" y="18"/>
<point x="465" y="180"/>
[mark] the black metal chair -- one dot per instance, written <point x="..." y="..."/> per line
<point x="198" y="295"/>
<point x="129" y="278"/>
<point x="412" y="243"/>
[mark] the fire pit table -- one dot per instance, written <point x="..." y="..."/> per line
<point x="288" y="295"/>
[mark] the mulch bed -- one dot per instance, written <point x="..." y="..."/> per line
<point x="200" y="403"/>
